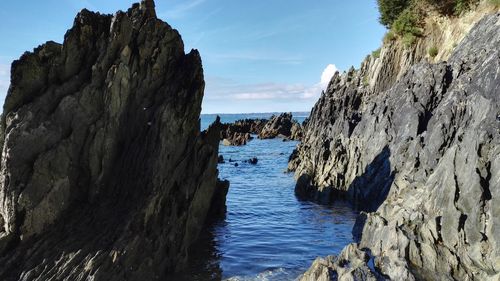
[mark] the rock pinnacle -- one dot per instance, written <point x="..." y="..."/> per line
<point x="148" y="6"/>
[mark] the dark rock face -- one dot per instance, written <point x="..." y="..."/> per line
<point x="425" y="155"/>
<point x="282" y="126"/>
<point x="105" y="174"/>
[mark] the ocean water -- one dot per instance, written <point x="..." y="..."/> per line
<point x="268" y="233"/>
<point x="207" y="119"/>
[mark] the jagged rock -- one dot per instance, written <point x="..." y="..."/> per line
<point x="296" y="132"/>
<point x="104" y="172"/>
<point x="218" y="206"/>
<point x="424" y="154"/>
<point x="237" y="139"/>
<point x="282" y="126"/>
<point x="320" y="270"/>
<point x="351" y="264"/>
<point x="239" y="132"/>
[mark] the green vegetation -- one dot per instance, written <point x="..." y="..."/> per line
<point x="409" y="39"/>
<point x="390" y="10"/>
<point x="495" y="3"/>
<point x="404" y="18"/>
<point x="462" y="6"/>
<point x="389" y="36"/>
<point x="408" y="26"/>
<point x="433" y="52"/>
<point x="407" y="23"/>
<point x="376" y="53"/>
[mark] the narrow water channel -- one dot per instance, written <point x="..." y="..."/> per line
<point x="268" y="233"/>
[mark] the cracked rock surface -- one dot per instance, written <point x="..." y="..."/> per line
<point x="105" y="174"/>
<point x="422" y="158"/>
<point x="282" y="126"/>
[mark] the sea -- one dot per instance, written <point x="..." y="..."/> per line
<point x="268" y="233"/>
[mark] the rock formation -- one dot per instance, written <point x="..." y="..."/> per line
<point x="104" y="172"/>
<point x="241" y="131"/>
<point x="421" y="152"/>
<point x="282" y="126"/>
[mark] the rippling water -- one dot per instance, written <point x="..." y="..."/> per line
<point x="268" y="234"/>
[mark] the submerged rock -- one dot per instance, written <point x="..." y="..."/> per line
<point x="423" y="157"/>
<point x="104" y="172"/>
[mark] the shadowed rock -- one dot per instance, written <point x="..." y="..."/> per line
<point x="104" y="172"/>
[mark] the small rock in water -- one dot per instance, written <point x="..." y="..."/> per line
<point x="253" y="161"/>
<point x="220" y="160"/>
<point x="236" y="164"/>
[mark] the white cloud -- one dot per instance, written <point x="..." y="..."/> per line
<point x="328" y="74"/>
<point x="225" y="89"/>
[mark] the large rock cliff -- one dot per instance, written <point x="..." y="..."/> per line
<point x="422" y="155"/>
<point x="105" y="174"/>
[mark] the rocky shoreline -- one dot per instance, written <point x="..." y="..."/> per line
<point x="421" y="156"/>
<point x="278" y="126"/>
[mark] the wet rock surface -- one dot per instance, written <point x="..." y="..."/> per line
<point x="104" y="173"/>
<point x="422" y="157"/>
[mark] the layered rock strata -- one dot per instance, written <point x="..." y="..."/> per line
<point x="105" y="174"/>
<point x="422" y="156"/>
<point x="282" y="126"/>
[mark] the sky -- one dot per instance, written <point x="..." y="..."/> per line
<point x="258" y="56"/>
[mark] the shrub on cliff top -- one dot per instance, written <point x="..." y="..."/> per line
<point x="452" y="7"/>
<point x="408" y="22"/>
<point x="390" y="10"/>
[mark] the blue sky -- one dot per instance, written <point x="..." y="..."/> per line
<point x="258" y="56"/>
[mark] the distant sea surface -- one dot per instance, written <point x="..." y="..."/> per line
<point x="268" y="233"/>
<point x="207" y="119"/>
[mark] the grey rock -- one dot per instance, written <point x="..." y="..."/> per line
<point x="421" y="156"/>
<point x="240" y="132"/>
<point x="282" y="126"/>
<point x="104" y="172"/>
